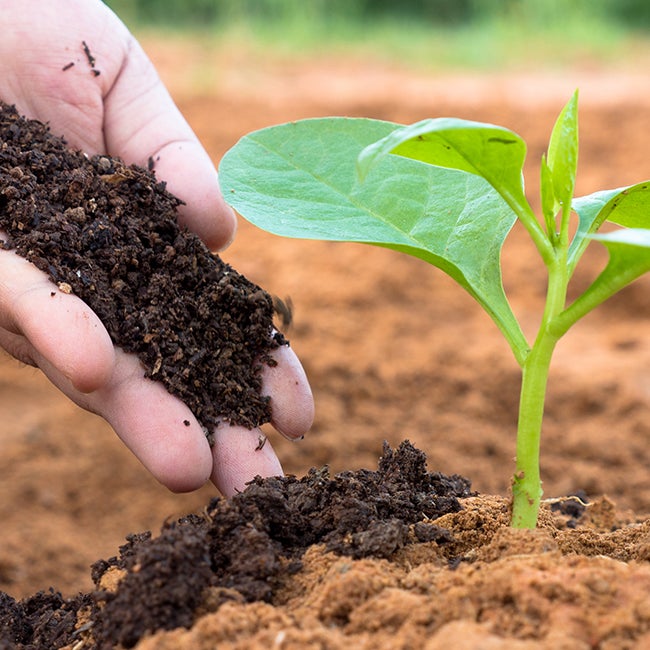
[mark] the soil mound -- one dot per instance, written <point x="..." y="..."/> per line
<point x="243" y="549"/>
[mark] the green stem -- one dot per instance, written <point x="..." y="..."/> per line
<point x="527" y="485"/>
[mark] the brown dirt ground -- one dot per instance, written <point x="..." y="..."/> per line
<point x="393" y="350"/>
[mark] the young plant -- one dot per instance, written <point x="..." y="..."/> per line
<point x="449" y="191"/>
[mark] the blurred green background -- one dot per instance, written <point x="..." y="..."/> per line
<point x="633" y="13"/>
<point x="433" y="33"/>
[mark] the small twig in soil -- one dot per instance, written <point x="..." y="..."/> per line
<point x="572" y="497"/>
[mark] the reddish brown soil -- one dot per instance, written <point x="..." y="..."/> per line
<point x="393" y="350"/>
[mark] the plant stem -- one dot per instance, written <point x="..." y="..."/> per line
<point x="527" y="485"/>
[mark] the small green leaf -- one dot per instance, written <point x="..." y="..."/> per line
<point x="299" y="180"/>
<point x="629" y="258"/>
<point x="625" y="206"/>
<point x="549" y="205"/>
<point x="489" y="151"/>
<point x="563" y="151"/>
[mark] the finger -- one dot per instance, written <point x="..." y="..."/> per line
<point x="239" y="455"/>
<point x="143" y="124"/>
<point x="157" y="427"/>
<point x="60" y="334"/>
<point x="292" y="401"/>
<point x="42" y="322"/>
<point x="191" y="176"/>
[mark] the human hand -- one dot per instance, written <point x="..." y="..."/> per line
<point x="123" y="111"/>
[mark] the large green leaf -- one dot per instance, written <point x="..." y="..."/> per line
<point x="299" y="180"/>
<point x="626" y="206"/>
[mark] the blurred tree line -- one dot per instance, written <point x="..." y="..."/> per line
<point x="193" y="13"/>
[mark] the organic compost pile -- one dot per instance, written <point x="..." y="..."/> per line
<point x="393" y="350"/>
<point x="108" y="233"/>
<point x="242" y="549"/>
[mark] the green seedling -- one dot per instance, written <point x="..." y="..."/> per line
<point x="449" y="191"/>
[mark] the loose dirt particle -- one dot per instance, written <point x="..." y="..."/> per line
<point x="91" y="59"/>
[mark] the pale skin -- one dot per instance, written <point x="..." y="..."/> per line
<point x="124" y="111"/>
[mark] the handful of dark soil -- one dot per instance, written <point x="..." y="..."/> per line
<point x="109" y="233"/>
